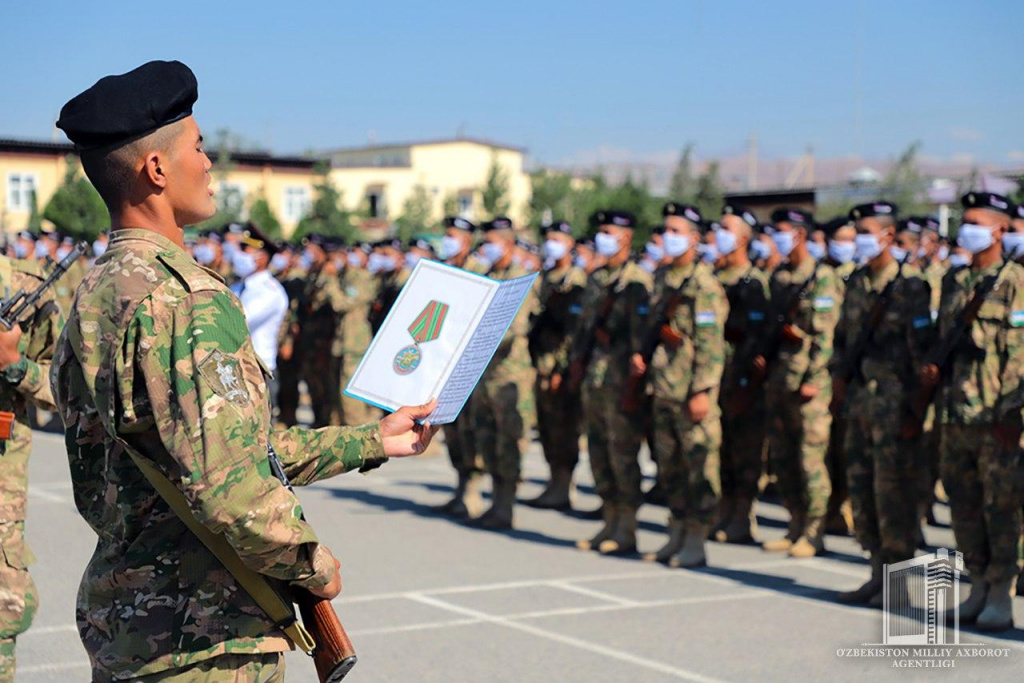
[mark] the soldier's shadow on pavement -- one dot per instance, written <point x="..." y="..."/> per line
<point x="396" y="504"/>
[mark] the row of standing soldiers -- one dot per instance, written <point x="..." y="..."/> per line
<point x="862" y="375"/>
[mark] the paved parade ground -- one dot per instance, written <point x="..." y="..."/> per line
<point x="426" y="599"/>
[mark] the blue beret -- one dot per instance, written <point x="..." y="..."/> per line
<point x="120" y="109"/>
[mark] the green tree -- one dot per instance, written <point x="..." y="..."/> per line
<point x="683" y="187"/>
<point x="35" y="219"/>
<point x="76" y="208"/>
<point x="228" y="199"/>
<point x="710" y="193"/>
<point x="904" y="185"/>
<point x="415" y="217"/>
<point x="450" y="205"/>
<point x="326" y="216"/>
<point x="495" y="192"/>
<point x="264" y="218"/>
<point x="551" y="197"/>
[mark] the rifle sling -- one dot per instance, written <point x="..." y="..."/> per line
<point x="254" y="583"/>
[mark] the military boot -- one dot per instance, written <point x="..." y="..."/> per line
<point x="973" y="605"/>
<point x="465" y="501"/>
<point x="864" y="594"/>
<point x="726" y="508"/>
<point x="811" y="541"/>
<point x="557" y="495"/>
<point x="676" y="532"/>
<point x="742" y="524"/>
<point x="692" y="556"/>
<point x="623" y="539"/>
<point x="796" y="527"/>
<point x="998" y="612"/>
<point x="611" y="518"/>
<point x="499" y="516"/>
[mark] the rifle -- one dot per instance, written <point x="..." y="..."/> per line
<point x="941" y="355"/>
<point x="580" y="363"/>
<point x="12" y="307"/>
<point x="661" y="333"/>
<point x="546" y="319"/>
<point x="333" y="654"/>
<point x="852" y="360"/>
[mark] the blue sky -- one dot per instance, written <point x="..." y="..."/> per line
<point x="562" y="78"/>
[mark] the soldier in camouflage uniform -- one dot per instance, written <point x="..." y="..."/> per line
<point x="879" y="385"/>
<point x="357" y="290"/>
<point x="25" y="355"/>
<point x="318" y="325"/>
<point x="613" y="326"/>
<point x="980" y="409"/>
<point x="551" y="335"/>
<point x="64" y="290"/>
<point x="459" y="438"/>
<point x="798" y="387"/>
<point x="689" y="309"/>
<point x="387" y="264"/>
<point x="185" y="393"/>
<point x="743" y="413"/>
<point x="503" y="409"/>
<point x="289" y="364"/>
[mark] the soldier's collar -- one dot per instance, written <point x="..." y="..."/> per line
<point x="141" y="234"/>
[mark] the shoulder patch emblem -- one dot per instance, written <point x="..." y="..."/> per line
<point x="224" y="375"/>
<point x="1017" y="319"/>
<point x="824" y="303"/>
<point x="705" y="318"/>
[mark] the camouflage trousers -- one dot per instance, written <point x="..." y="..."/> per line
<point x="288" y="373"/>
<point x="460" y="438"/>
<point x="881" y="472"/>
<point x="798" y="433"/>
<point x="559" y="425"/>
<point x="613" y="440"/>
<point x="18" y="598"/>
<point x="503" y="415"/>
<point x="688" y="460"/>
<point x="322" y="372"/>
<point x="742" y="452"/>
<point x="256" y="668"/>
<point x="983" y="482"/>
<point x="352" y="411"/>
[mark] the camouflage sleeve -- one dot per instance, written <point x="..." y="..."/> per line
<point x="920" y="329"/>
<point x="839" y="341"/>
<point x="193" y="365"/>
<point x="329" y="292"/>
<point x="823" y="322"/>
<point x="1010" y="404"/>
<point x="38" y="345"/>
<point x="711" y="309"/>
<point x="312" y="455"/>
<point x="573" y="309"/>
<point x="638" y="302"/>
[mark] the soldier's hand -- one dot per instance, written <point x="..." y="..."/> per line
<point x="807" y="392"/>
<point x="331" y="590"/>
<point x="285" y="352"/>
<point x="699" y="406"/>
<point x="403" y="435"/>
<point x="929" y="375"/>
<point x="637" y="366"/>
<point x="9" y="340"/>
<point x="556" y="382"/>
<point x="1007" y="436"/>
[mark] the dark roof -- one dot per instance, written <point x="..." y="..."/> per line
<point x="261" y="158"/>
<point x="421" y="143"/>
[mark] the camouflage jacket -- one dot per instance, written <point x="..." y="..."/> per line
<point x="934" y="273"/>
<point x="554" y="322"/>
<point x="511" y="360"/>
<point x="817" y="313"/>
<point x="692" y="303"/>
<point x="38" y="339"/>
<point x="897" y="344"/>
<point x="317" y="321"/>
<point x="984" y="384"/>
<point x="156" y="357"/>
<point x="746" y="288"/>
<point x="623" y="296"/>
<point x="388" y="286"/>
<point x="64" y="290"/>
<point x="294" y="283"/>
<point x="359" y="290"/>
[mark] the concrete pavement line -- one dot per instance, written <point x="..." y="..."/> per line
<point x="607" y="597"/>
<point x="429" y="626"/>
<point x="635" y="660"/>
<point x="594" y="609"/>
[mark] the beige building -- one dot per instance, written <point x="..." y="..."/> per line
<point x="379" y="179"/>
<point x="28" y="168"/>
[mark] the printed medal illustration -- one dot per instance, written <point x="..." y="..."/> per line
<point x="426" y="327"/>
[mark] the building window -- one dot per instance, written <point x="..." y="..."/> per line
<point x="296" y="202"/>
<point x="376" y="206"/>
<point x="21" y="187"/>
<point x="465" y="205"/>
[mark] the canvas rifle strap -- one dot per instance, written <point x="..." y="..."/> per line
<point x="256" y="585"/>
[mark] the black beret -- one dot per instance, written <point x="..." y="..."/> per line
<point x="989" y="200"/>
<point x="873" y="209"/>
<point x="316" y="239"/>
<point x="794" y="216"/>
<point x="563" y="227"/>
<point x="211" y="235"/>
<point x="497" y="223"/>
<point x="459" y="223"/>
<point x="918" y="224"/>
<point x="26" y="235"/>
<point x="687" y="211"/>
<point x="831" y="226"/>
<point x="425" y="245"/>
<point x="119" y="109"/>
<point x="746" y="214"/>
<point x="658" y="230"/>
<point x="623" y="219"/>
<point x="528" y="246"/>
<point x="391" y="243"/>
<point x="254" y="237"/>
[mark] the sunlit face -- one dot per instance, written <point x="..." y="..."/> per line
<point x="187" y="169"/>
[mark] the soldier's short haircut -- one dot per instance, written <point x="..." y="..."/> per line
<point x="112" y="171"/>
<point x="886" y="222"/>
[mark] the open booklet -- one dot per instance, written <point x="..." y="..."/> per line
<point x="438" y="339"/>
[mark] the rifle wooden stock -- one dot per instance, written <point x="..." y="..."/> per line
<point x="334" y="655"/>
